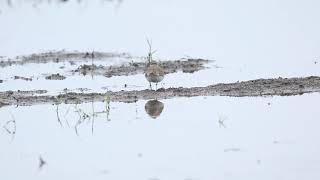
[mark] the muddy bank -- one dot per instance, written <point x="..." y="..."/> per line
<point x="259" y="87"/>
<point x="126" y="69"/>
<point x="59" y="56"/>
<point x="186" y="66"/>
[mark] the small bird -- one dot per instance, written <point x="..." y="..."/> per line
<point x="154" y="73"/>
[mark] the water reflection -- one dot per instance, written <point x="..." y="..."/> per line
<point x="10" y="127"/>
<point x="77" y="115"/>
<point x="90" y="117"/>
<point x="154" y="108"/>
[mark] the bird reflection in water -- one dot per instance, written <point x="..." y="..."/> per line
<point x="154" y="108"/>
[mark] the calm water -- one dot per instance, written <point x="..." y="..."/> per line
<point x="193" y="138"/>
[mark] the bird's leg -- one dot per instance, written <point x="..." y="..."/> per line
<point x="150" y="86"/>
<point x="156" y="86"/>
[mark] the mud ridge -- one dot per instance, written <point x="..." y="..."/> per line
<point x="132" y="68"/>
<point x="259" y="87"/>
<point x="59" y="56"/>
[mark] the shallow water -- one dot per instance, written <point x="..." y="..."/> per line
<point x="193" y="138"/>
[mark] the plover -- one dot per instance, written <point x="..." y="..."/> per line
<point x="154" y="73"/>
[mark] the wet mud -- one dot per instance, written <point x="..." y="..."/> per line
<point x="22" y="78"/>
<point x="186" y="66"/>
<point x="259" y="87"/>
<point x="190" y="65"/>
<point x="59" y="56"/>
<point x="55" y="77"/>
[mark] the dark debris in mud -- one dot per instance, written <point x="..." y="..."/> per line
<point x="259" y="87"/>
<point x="22" y="78"/>
<point x="186" y="66"/>
<point x="55" y="77"/>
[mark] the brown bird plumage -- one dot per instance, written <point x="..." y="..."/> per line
<point x="154" y="74"/>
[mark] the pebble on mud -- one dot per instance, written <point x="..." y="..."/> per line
<point x="55" y="77"/>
